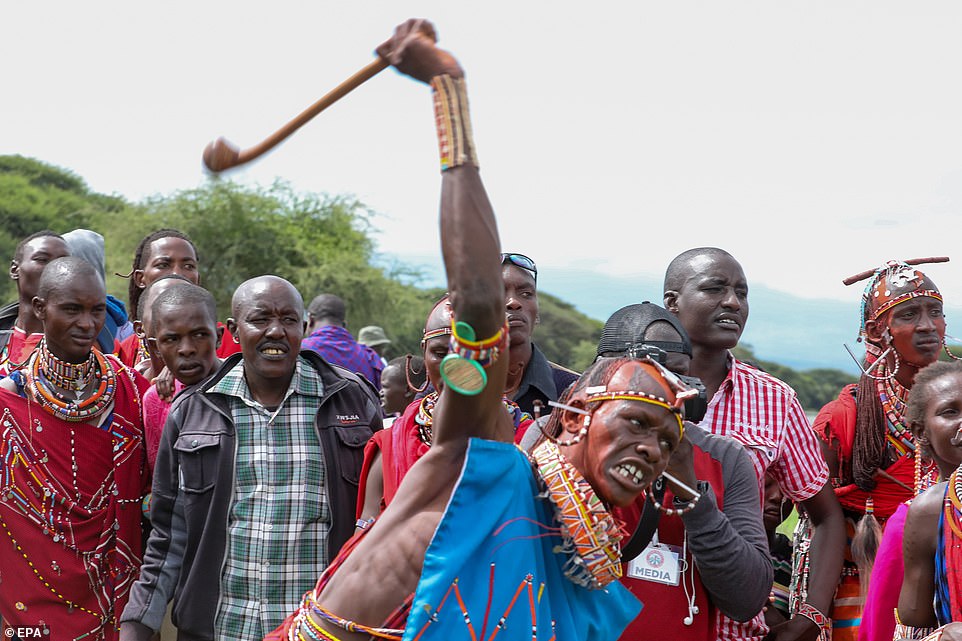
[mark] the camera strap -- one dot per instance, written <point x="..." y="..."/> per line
<point x="647" y="524"/>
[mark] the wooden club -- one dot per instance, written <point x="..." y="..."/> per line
<point x="222" y="155"/>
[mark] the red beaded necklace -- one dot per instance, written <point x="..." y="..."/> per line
<point x="45" y="370"/>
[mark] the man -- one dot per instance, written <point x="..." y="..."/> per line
<point x="256" y="479"/>
<point x="72" y="468"/>
<point x="532" y="379"/>
<point x="183" y="333"/>
<point x="707" y="290"/>
<point x="21" y="330"/>
<point x="469" y="529"/>
<point x="866" y="441"/>
<point x="374" y="337"/>
<point x="328" y="336"/>
<point x="721" y="541"/>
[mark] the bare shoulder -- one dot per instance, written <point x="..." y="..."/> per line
<point x="927" y="505"/>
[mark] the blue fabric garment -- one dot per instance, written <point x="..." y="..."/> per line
<point x="115" y="318"/>
<point x="495" y="523"/>
<point x="943" y="600"/>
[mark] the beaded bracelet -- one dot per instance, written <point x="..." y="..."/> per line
<point x="484" y="352"/>
<point x="455" y="141"/>
<point x="814" y="615"/>
<point x="463" y="369"/>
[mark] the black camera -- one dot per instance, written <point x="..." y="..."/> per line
<point x="696" y="406"/>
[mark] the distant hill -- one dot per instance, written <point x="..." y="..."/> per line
<point x="800" y="333"/>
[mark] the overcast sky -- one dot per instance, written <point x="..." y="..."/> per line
<point x="813" y="140"/>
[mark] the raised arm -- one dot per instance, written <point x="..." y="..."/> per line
<point x="469" y="243"/>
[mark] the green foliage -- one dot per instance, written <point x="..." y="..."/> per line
<point x="815" y="387"/>
<point x="321" y="243"/>
<point x="35" y="196"/>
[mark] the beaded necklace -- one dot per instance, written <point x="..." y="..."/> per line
<point x="892" y="396"/>
<point x="40" y="381"/>
<point x="424" y="418"/>
<point x="953" y="503"/>
<point x="592" y="539"/>
<point x="69" y="376"/>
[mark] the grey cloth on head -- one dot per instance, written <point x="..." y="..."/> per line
<point x="88" y="245"/>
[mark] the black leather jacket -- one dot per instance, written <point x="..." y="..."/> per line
<point x="193" y="489"/>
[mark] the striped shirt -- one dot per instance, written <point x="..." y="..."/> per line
<point x="764" y="415"/>
<point x="279" y="517"/>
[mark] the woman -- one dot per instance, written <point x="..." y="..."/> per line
<point x="932" y="538"/>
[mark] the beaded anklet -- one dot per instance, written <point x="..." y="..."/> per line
<point x="455" y="141"/>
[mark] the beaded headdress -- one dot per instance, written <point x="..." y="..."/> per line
<point x="889" y="285"/>
<point x="672" y="398"/>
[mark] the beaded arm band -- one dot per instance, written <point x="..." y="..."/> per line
<point x="814" y="615"/>
<point x="455" y="140"/>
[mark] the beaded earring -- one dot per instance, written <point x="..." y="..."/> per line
<point x="407" y="376"/>
<point x="948" y="352"/>
<point x="584" y="426"/>
<point x="671" y="511"/>
<point x="583" y="432"/>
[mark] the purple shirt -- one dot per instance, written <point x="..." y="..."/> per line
<point x="337" y="346"/>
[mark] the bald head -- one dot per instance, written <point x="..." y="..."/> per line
<point x="440" y="316"/>
<point x="260" y="287"/>
<point x="62" y="273"/>
<point x="689" y="262"/>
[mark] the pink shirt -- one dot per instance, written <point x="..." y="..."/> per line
<point x="155" y="415"/>
<point x="763" y="414"/>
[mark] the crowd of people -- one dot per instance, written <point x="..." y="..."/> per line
<point x="273" y="477"/>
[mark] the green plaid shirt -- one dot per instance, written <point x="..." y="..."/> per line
<point x="279" y="518"/>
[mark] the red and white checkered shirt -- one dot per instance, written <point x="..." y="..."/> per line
<point x="764" y="415"/>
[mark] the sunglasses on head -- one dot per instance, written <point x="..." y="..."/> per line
<point x="522" y="261"/>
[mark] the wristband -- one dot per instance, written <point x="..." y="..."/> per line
<point x="813" y="614"/>
<point x="463" y="369"/>
<point x="363" y="524"/>
<point x="453" y="120"/>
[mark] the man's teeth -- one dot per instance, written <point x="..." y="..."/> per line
<point x="630" y="471"/>
<point x="727" y="320"/>
<point x="273" y="351"/>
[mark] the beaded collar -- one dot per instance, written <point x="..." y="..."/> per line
<point x="892" y="396"/>
<point x="40" y="384"/>
<point x="68" y="376"/>
<point x="424" y="417"/>
<point x="592" y="539"/>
